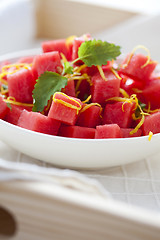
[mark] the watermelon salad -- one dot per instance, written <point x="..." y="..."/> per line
<point x="77" y="88"/>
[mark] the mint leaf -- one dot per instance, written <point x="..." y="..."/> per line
<point x="47" y="84"/>
<point x="9" y="106"/>
<point x="68" y="68"/>
<point x="137" y="111"/>
<point x="97" y="52"/>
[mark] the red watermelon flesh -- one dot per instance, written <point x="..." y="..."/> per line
<point x="39" y="123"/>
<point x="113" y="113"/>
<point x="151" y="93"/>
<point x="76" y="132"/>
<point x="21" y="85"/>
<point x="3" y="108"/>
<point x="47" y="62"/>
<point x="59" y="45"/>
<point x="4" y="63"/>
<point x="70" y="89"/>
<point x="1" y="66"/>
<point x="129" y="84"/>
<point x="126" y="133"/>
<point x="60" y="110"/>
<point x="151" y="123"/>
<point x="102" y="90"/>
<point x="76" y="44"/>
<point x="108" y="131"/>
<point x="27" y="60"/>
<point x="14" y="113"/>
<point x="90" y="117"/>
<point x="93" y="69"/>
<point x="135" y="67"/>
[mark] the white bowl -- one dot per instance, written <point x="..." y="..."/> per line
<point x="72" y="152"/>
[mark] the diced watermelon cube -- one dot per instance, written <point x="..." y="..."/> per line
<point x="89" y="117"/>
<point x="151" y="123"/>
<point x="77" y="43"/>
<point x="70" y="89"/>
<point x="3" y="108"/>
<point x="151" y="93"/>
<point x="135" y="67"/>
<point x="38" y="122"/>
<point x="76" y="132"/>
<point x="108" y="131"/>
<point x="129" y="84"/>
<point x="102" y="90"/>
<point x="60" y="45"/>
<point x="14" y="113"/>
<point x="119" y="113"/>
<point x="28" y="59"/>
<point x="93" y="69"/>
<point x="21" y="85"/>
<point x="126" y="133"/>
<point x="65" y="108"/>
<point x="47" y="62"/>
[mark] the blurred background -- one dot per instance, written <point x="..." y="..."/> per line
<point x="24" y="23"/>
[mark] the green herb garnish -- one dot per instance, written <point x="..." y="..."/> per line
<point x="47" y="84"/>
<point x="9" y="106"/>
<point x="137" y="111"/>
<point x="97" y="52"/>
<point x="68" y="69"/>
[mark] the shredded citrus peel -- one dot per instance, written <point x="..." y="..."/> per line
<point x="150" y="136"/>
<point x="69" y="105"/>
<point x="78" y="69"/>
<point x="70" y="39"/>
<point x="148" y="110"/>
<point x="132" y="53"/>
<point x="132" y="99"/>
<point x="136" y="90"/>
<point x="64" y="59"/>
<point x="3" y="91"/>
<point x="101" y="73"/>
<point x="90" y="105"/>
<point x="7" y="70"/>
<point x="87" y="99"/>
<point x="124" y="93"/>
<point x="13" y="101"/>
<point x="115" y="73"/>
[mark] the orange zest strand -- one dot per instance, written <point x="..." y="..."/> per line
<point x="136" y="90"/>
<point x="70" y="39"/>
<point x="150" y="136"/>
<point x="132" y="99"/>
<point x="149" y="109"/>
<point x="79" y="68"/>
<point x="3" y="81"/>
<point x="3" y="91"/>
<point x="87" y="99"/>
<point x="115" y="73"/>
<point x="69" y="105"/>
<point x="138" y="125"/>
<point x="90" y="105"/>
<point x="101" y="73"/>
<point x="63" y="57"/>
<point x="12" y="100"/>
<point x="6" y="68"/>
<point x="124" y="93"/>
<point x="132" y="53"/>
